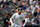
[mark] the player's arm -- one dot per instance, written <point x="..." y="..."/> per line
<point x="24" y="19"/>
<point x="11" y="19"/>
<point x="25" y="22"/>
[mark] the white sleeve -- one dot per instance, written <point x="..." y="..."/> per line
<point x="13" y="16"/>
<point x="12" y="20"/>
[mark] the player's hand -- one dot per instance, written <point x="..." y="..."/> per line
<point x="9" y="22"/>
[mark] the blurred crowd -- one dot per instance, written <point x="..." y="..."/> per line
<point x="30" y="9"/>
